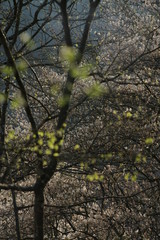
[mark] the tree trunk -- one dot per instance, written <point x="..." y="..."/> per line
<point x="38" y="213"/>
<point x="16" y="215"/>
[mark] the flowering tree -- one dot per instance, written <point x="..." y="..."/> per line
<point x="79" y="119"/>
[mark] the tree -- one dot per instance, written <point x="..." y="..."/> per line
<point x="43" y="175"/>
<point x="91" y="133"/>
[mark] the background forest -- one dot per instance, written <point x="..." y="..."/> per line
<point x="79" y="119"/>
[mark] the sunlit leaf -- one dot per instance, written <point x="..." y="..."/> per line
<point x="76" y="147"/>
<point x="68" y="54"/>
<point x="7" y="70"/>
<point x="2" y="98"/>
<point x="56" y="154"/>
<point x="149" y="141"/>
<point x="40" y="141"/>
<point x="18" y="102"/>
<point x="95" y="91"/>
<point x="26" y="39"/>
<point x="21" y="65"/>
<point x="126" y="176"/>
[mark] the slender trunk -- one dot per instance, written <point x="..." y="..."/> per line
<point x="38" y="213"/>
<point x="3" y="112"/>
<point x="16" y="215"/>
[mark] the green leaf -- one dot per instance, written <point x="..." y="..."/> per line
<point x="56" y="154"/>
<point x="76" y="147"/>
<point x="128" y="114"/>
<point x="81" y="72"/>
<point x="21" y="65"/>
<point x="40" y="133"/>
<point x="44" y="163"/>
<point x="126" y="176"/>
<point x="10" y="136"/>
<point x="95" y="91"/>
<point x="7" y="70"/>
<point x="68" y="54"/>
<point x="18" y="102"/>
<point x="138" y="158"/>
<point x="40" y="141"/>
<point x="90" y="177"/>
<point x="2" y="98"/>
<point x="51" y="144"/>
<point x="48" y="152"/>
<point x="149" y="141"/>
<point x="134" y="177"/>
<point x="63" y="101"/>
<point x="26" y="39"/>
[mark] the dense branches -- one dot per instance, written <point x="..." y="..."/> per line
<point x="79" y="119"/>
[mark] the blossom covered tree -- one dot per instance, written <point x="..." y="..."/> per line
<point x="79" y="119"/>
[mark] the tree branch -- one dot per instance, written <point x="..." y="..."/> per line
<point x="16" y="187"/>
<point x="11" y="62"/>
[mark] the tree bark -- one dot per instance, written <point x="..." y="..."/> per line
<point x="38" y="213"/>
<point x="16" y="215"/>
